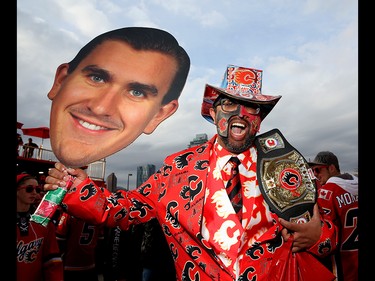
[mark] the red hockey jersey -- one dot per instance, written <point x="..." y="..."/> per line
<point x="78" y="241"/>
<point x="38" y="255"/>
<point x="339" y="200"/>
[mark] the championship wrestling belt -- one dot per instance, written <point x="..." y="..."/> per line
<point x="284" y="177"/>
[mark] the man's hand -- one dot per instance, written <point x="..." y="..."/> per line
<point x="58" y="176"/>
<point x="305" y="235"/>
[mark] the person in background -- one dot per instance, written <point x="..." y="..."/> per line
<point x="19" y="143"/>
<point x="338" y="196"/>
<point x="156" y="258"/>
<point x="122" y="254"/>
<point x="38" y="256"/>
<point x="208" y="239"/>
<point x="41" y="179"/>
<point x="37" y="200"/>
<point x="78" y="243"/>
<point x="28" y="148"/>
<point x="140" y="253"/>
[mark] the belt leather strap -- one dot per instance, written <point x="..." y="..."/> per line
<point x="284" y="178"/>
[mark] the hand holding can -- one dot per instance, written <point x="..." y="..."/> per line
<point x="49" y="204"/>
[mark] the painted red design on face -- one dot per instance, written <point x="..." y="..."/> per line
<point x="224" y="117"/>
<point x="255" y="124"/>
<point x="223" y="124"/>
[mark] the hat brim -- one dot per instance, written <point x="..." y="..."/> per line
<point x="316" y="164"/>
<point x="211" y="93"/>
<point x="22" y="176"/>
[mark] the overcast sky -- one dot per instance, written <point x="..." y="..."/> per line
<point x="308" y="51"/>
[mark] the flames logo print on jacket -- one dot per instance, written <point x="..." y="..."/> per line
<point x="176" y="195"/>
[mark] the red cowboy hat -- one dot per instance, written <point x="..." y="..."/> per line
<point x="240" y="83"/>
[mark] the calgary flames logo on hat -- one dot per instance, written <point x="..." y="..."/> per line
<point x="245" y="76"/>
<point x="243" y="81"/>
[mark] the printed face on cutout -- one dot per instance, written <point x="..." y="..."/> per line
<point x="113" y="96"/>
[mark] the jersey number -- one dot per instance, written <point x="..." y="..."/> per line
<point x="87" y="234"/>
<point x="351" y="243"/>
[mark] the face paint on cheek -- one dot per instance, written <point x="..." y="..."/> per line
<point x="222" y="122"/>
<point x="255" y="121"/>
<point x="222" y="126"/>
<point x="223" y="118"/>
<point x="243" y="112"/>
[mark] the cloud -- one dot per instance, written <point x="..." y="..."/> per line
<point x="308" y="51"/>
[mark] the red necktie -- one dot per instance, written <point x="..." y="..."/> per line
<point x="234" y="187"/>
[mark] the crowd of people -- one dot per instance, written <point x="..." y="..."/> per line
<point x="207" y="225"/>
<point x="72" y="249"/>
<point x="90" y="251"/>
<point x="150" y="258"/>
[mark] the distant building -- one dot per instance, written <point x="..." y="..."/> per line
<point x="112" y="182"/>
<point x="144" y="172"/>
<point x="199" y="139"/>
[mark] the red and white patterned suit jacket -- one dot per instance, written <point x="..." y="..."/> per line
<point x="175" y="195"/>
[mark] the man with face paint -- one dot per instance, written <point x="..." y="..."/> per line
<point x="187" y="195"/>
<point x="234" y="135"/>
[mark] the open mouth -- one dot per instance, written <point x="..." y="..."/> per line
<point x="237" y="129"/>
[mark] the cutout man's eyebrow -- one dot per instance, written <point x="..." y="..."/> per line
<point x="97" y="70"/>
<point x="144" y="88"/>
<point x="134" y="85"/>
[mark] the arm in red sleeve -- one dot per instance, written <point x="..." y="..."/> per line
<point x="87" y="201"/>
<point x="97" y="205"/>
<point x="318" y="236"/>
<point x="328" y="240"/>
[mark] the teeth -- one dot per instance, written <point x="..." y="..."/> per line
<point x="91" y="126"/>
<point x="238" y="125"/>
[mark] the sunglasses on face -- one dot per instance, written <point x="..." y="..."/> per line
<point x="228" y="105"/>
<point x="317" y="170"/>
<point x="30" y="188"/>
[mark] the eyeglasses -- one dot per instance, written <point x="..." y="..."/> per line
<point x="317" y="170"/>
<point x="232" y="106"/>
<point x="30" y="188"/>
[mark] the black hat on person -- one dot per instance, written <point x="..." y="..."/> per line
<point x="325" y="158"/>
